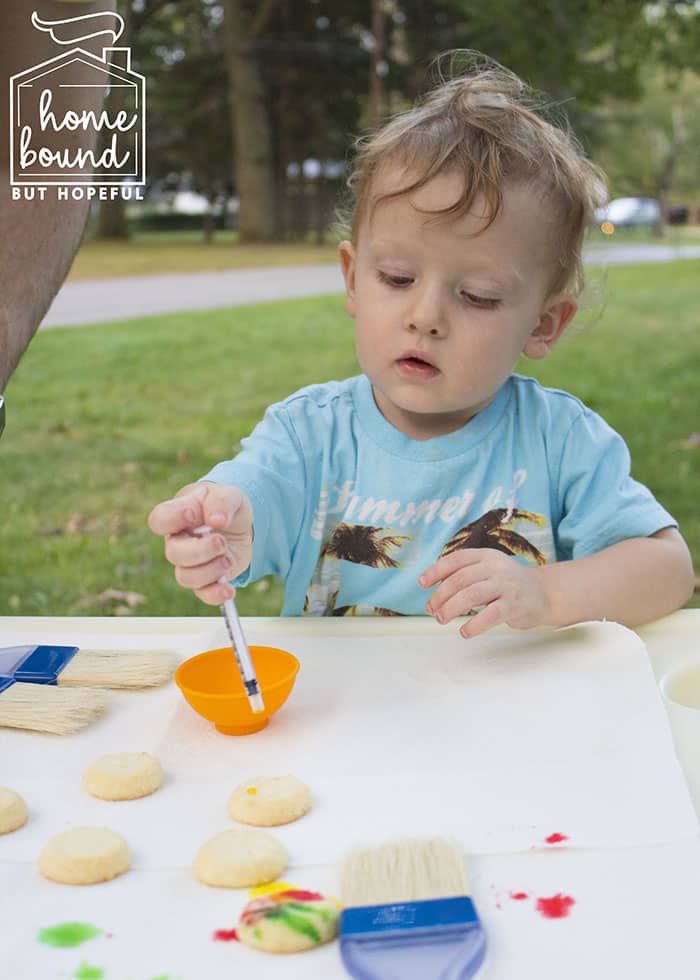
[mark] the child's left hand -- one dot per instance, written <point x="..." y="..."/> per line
<point x="509" y="592"/>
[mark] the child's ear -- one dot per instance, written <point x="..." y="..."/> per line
<point x="553" y="321"/>
<point x="346" y="251"/>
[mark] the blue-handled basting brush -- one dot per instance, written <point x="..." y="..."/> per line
<point x="68" y="665"/>
<point x="407" y="914"/>
<point x="46" y="708"/>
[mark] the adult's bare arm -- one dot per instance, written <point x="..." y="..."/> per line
<point x="38" y="239"/>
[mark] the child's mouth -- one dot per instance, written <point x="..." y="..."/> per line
<point x="416" y="367"/>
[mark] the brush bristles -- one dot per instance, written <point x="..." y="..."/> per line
<point x="44" y="708"/>
<point x="120" y="669"/>
<point x="406" y="871"/>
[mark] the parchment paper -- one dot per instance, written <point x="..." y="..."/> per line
<point x="499" y="742"/>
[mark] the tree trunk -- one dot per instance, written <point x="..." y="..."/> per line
<point x="111" y="216"/>
<point x="111" y="220"/>
<point x="208" y="221"/>
<point x="664" y="183"/>
<point x="377" y="64"/>
<point x="254" y="176"/>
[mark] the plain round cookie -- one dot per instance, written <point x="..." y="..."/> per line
<point x="240" y="859"/>
<point x="84" y="856"/>
<point x="13" y="810"/>
<point x="123" y="776"/>
<point x="288" y="921"/>
<point x="269" y="801"/>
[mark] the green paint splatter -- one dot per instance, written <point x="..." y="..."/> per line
<point x="87" y="972"/>
<point x="68" y="934"/>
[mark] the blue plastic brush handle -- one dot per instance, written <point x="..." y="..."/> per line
<point x="13" y="657"/>
<point x="35" y="664"/>
<point x="438" y="939"/>
<point x="369" y="919"/>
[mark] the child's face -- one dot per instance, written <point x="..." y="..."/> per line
<point x="444" y="309"/>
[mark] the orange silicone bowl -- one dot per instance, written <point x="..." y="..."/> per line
<point x="212" y="685"/>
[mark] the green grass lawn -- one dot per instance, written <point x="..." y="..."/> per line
<point x="105" y="421"/>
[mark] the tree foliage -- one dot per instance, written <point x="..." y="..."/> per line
<point x="291" y="82"/>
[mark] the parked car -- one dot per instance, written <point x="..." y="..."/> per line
<point x="628" y="212"/>
<point x="677" y="214"/>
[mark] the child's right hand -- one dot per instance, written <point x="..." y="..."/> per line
<point x="200" y="561"/>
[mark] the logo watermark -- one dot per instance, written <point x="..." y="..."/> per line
<point x="59" y="142"/>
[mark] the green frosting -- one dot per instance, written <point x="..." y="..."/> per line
<point x="68" y="934"/>
<point x="87" y="972"/>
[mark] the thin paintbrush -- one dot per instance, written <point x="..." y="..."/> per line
<point x="407" y="913"/>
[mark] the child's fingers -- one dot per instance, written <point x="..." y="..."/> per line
<point x="201" y="576"/>
<point x="446" y="566"/>
<point x="178" y="514"/>
<point x="215" y="594"/>
<point x="169" y="517"/>
<point x="224" y="509"/>
<point x="459" y="581"/>
<point x="460" y="603"/>
<point x="492" y="615"/>
<point x="188" y="550"/>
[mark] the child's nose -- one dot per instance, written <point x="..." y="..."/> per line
<point x="425" y="316"/>
<point x="431" y="330"/>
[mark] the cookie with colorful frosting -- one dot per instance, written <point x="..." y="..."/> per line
<point x="289" y="921"/>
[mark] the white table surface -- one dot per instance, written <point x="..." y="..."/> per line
<point x="619" y="875"/>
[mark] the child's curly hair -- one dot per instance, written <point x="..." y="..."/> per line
<point x="487" y="125"/>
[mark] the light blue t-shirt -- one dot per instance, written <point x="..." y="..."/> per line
<point x="348" y="511"/>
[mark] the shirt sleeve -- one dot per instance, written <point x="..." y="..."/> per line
<point x="600" y="503"/>
<point x="270" y="469"/>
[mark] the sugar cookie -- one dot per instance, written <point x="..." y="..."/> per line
<point x="288" y="921"/>
<point x="13" y="810"/>
<point x="240" y="858"/>
<point x="269" y="801"/>
<point x="84" y="856"/>
<point x="123" y="776"/>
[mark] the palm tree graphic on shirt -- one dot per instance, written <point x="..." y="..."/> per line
<point x="364" y="544"/>
<point x="493" y="530"/>
<point x="361" y="544"/>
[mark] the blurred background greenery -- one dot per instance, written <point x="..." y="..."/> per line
<point x="252" y="104"/>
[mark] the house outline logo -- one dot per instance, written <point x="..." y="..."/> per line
<point x="123" y="159"/>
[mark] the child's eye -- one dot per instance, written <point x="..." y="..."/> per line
<point x="393" y="280"/>
<point x="483" y="302"/>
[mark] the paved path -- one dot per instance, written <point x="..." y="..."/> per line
<point x="105" y="300"/>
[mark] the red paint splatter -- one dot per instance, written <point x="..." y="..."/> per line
<point x="556" y="907"/>
<point x="519" y="896"/>
<point x="555" y="838"/>
<point x="225" y="936"/>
